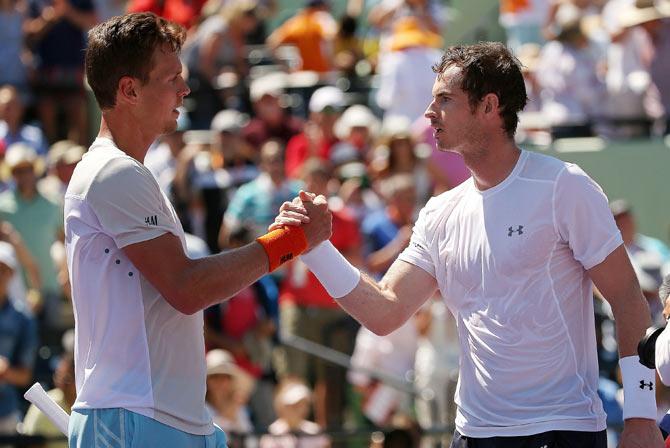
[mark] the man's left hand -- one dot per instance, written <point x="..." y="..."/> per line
<point x="640" y="433"/>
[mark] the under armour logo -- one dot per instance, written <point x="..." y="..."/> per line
<point x="151" y="220"/>
<point x="650" y="385"/>
<point x="511" y="230"/>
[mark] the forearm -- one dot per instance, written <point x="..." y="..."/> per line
<point x="17" y="376"/>
<point x="211" y="280"/>
<point x="375" y="306"/>
<point x="632" y="318"/>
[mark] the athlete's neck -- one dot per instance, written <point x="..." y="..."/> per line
<point x="126" y="136"/>
<point x="494" y="165"/>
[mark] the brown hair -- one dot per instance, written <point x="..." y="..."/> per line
<point x="124" y="46"/>
<point x="489" y="67"/>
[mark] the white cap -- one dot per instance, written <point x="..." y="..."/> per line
<point x="324" y="97"/>
<point x="396" y="126"/>
<point x="19" y="154"/>
<point x="272" y="84"/>
<point x="293" y="393"/>
<point x="221" y="362"/>
<point x="7" y="255"/>
<point x="228" y="121"/>
<point x="356" y="116"/>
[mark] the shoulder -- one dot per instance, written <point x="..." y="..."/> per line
<point x="542" y="167"/>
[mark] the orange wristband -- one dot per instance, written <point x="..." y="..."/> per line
<point x="283" y="245"/>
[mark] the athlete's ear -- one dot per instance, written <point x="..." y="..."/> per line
<point x="491" y="103"/>
<point x="128" y="90"/>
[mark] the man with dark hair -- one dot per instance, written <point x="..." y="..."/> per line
<point x="513" y="251"/>
<point x="138" y="298"/>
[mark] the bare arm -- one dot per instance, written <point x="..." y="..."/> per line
<point x="616" y="281"/>
<point x="192" y="285"/>
<point x="383" y="307"/>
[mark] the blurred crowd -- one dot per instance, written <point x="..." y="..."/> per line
<point x="330" y="104"/>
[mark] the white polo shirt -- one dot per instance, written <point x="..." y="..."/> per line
<point x="132" y="348"/>
<point x="511" y="265"/>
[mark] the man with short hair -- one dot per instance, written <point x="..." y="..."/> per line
<point x="513" y="251"/>
<point x="138" y="298"/>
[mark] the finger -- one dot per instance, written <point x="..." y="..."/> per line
<point x="302" y="217"/>
<point x="292" y="207"/>
<point x="306" y="196"/>
<point x="281" y="222"/>
<point x="320" y="200"/>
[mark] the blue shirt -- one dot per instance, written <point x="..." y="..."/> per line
<point x="18" y="343"/>
<point x="378" y="231"/>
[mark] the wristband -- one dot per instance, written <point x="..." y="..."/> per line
<point x="639" y="389"/>
<point x="283" y="245"/>
<point x="334" y="272"/>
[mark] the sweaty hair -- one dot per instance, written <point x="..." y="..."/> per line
<point x="489" y="67"/>
<point x="124" y="46"/>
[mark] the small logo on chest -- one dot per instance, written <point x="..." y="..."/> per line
<point x="650" y="385"/>
<point x="511" y="230"/>
<point x="151" y="220"/>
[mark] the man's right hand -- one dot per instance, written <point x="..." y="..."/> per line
<point x="309" y="211"/>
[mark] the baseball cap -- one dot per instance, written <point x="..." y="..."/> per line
<point x="272" y="84"/>
<point x="20" y="154"/>
<point x="324" y="97"/>
<point x="356" y="116"/>
<point x="293" y="394"/>
<point x="229" y="121"/>
<point x="221" y="362"/>
<point x="66" y="152"/>
<point x="619" y="207"/>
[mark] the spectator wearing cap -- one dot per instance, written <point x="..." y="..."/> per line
<point x="12" y="128"/>
<point x="39" y="221"/>
<point x="356" y="129"/>
<point x="228" y="390"/>
<point x="312" y="30"/>
<point x="292" y="404"/>
<point x="18" y="345"/>
<point x="271" y="121"/>
<point x="406" y="76"/>
<point x="307" y="311"/>
<point x="62" y="158"/>
<point x="318" y="137"/>
<point x="572" y="94"/>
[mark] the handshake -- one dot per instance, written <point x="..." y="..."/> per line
<point x="311" y="213"/>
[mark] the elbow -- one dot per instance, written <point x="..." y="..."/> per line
<point x="183" y="301"/>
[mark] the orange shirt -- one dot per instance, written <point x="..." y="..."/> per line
<point x="311" y="32"/>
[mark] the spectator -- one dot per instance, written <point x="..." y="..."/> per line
<point x="307" y="311"/>
<point x="13" y="70"/>
<point x="12" y="128"/>
<point x="245" y="326"/>
<point x="184" y="12"/>
<point x="256" y="202"/>
<point x="271" y="121"/>
<point x="356" y="130"/>
<point x="348" y="47"/>
<point x="62" y="158"/>
<point x="217" y="47"/>
<point x="318" y="136"/>
<point x="56" y="31"/>
<point x="523" y="21"/>
<point x="228" y="390"/>
<point x="571" y="90"/>
<point x="64" y="394"/>
<point x="291" y="429"/>
<point x="40" y="223"/>
<point x="18" y="346"/>
<point x="405" y="70"/>
<point x="161" y="159"/>
<point x="387" y="231"/>
<point x="312" y="30"/>
<point x="25" y="294"/>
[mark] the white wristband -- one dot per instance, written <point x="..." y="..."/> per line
<point x="639" y="389"/>
<point x="334" y="272"/>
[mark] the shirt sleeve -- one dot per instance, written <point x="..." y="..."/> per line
<point x="583" y="218"/>
<point x="129" y="204"/>
<point x="417" y="252"/>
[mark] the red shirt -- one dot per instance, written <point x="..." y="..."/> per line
<point x="183" y="12"/>
<point x="298" y="151"/>
<point x="301" y="286"/>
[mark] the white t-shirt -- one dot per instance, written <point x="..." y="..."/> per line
<point x="510" y="263"/>
<point x="133" y="349"/>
